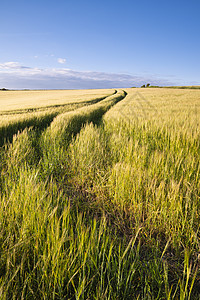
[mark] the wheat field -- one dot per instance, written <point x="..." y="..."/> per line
<point x="99" y="194"/>
<point x="21" y="100"/>
<point x="24" y="109"/>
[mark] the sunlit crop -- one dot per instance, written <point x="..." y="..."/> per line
<point x="100" y="195"/>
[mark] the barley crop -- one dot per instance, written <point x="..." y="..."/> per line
<point x="102" y="201"/>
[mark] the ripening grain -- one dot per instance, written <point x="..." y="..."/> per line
<point x="21" y="100"/>
<point x="103" y="202"/>
<point x="38" y="108"/>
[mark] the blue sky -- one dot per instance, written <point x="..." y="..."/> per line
<point x="94" y="44"/>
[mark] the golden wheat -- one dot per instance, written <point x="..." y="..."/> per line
<point x="17" y="100"/>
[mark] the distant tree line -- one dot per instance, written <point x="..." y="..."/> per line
<point x="147" y="85"/>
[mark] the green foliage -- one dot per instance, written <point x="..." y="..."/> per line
<point x="147" y="85"/>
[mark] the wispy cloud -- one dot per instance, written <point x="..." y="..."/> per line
<point x="12" y="65"/>
<point x="16" y="76"/>
<point x="61" y="60"/>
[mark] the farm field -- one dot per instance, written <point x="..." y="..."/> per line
<point x="21" y="100"/>
<point x="38" y="108"/>
<point x="100" y="194"/>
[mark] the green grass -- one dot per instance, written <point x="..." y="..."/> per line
<point x="103" y="204"/>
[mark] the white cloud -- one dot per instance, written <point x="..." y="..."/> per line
<point x="61" y="60"/>
<point x="15" y="76"/>
<point x="10" y="65"/>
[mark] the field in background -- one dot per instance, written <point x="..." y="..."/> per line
<point x="100" y="194"/>
<point x="24" y="109"/>
<point x="25" y="100"/>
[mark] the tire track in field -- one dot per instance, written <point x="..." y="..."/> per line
<point x="41" y="123"/>
<point x="70" y="123"/>
<point x="41" y="109"/>
<point x="55" y="140"/>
